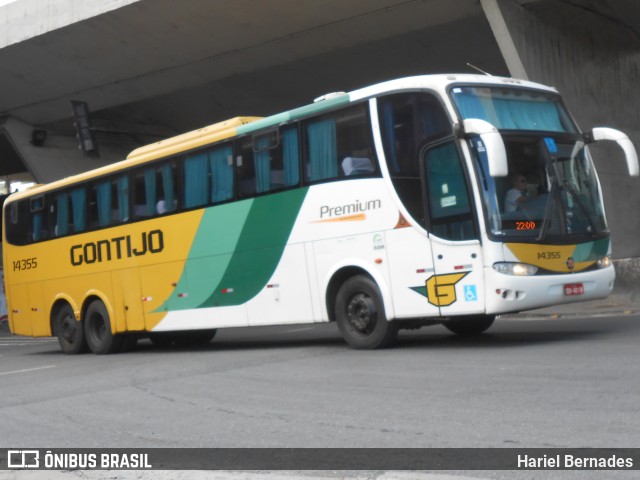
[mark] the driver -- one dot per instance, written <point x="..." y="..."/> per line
<point x="517" y="194"/>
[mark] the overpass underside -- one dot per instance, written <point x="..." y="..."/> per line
<point x="149" y="69"/>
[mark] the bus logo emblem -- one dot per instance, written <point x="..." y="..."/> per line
<point x="571" y="263"/>
<point x="440" y="290"/>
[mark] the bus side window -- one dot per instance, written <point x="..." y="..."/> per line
<point x="144" y="193"/>
<point x="122" y="198"/>
<point x="322" y="154"/>
<point x="18" y="223"/>
<point x="61" y="214"/>
<point x="109" y="202"/>
<point x="287" y="159"/>
<point x="246" y="168"/>
<point x="70" y="212"/>
<point x="167" y="194"/>
<point x="221" y="166"/>
<point x="208" y="176"/>
<point x="38" y="218"/>
<point x="269" y="161"/>
<point x="339" y="145"/>
<point x="154" y="191"/>
<point x="196" y="179"/>
<point x="264" y="146"/>
<point x="79" y="209"/>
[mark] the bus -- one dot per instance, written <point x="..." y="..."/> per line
<point x="380" y="209"/>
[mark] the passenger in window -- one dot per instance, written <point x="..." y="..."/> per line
<point x="357" y="165"/>
<point x="161" y="207"/>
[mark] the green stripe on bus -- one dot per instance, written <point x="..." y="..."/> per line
<point x="271" y="121"/>
<point x="209" y="256"/>
<point x="591" y="251"/>
<point x="259" y="249"/>
<point x="235" y="251"/>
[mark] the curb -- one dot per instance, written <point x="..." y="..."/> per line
<point x="575" y="314"/>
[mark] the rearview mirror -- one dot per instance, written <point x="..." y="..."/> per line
<point x="493" y="144"/>
<point x="621" y="139"/>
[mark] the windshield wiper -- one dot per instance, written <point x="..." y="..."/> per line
<point x="547" y="211"/>
<point x="583" y="207"/>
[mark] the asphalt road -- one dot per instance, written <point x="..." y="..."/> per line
<point x="567" y="382"/>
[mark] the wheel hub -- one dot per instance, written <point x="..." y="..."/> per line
<point x="68" y="329"/>
<point x="361" y="312"/>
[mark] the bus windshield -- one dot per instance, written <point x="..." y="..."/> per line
<point x="551" y="191"/>
<point x="513" y="108"/>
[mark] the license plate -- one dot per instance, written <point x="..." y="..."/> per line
<point x="574" y="289"/>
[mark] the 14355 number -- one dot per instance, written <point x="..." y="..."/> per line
<point x="25" y="264"/>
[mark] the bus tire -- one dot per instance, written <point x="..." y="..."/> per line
<point x="97" y="326"/>
<point x="360" y="315"/>
<point x="469" y="326"/>
<point x="70" y="332"/>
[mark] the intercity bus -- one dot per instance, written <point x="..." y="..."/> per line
<point x="380" y="209"/>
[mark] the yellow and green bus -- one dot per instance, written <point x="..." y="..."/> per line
<point x="380" y="209"/>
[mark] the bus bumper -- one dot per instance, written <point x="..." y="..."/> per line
<point x="510" y="293"/>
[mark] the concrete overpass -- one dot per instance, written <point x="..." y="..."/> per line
<point x="153" y="68"/>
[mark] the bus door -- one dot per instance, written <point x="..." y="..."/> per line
<point x="457" y="284"/>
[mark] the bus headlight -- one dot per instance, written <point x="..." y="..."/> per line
<point x="604" y="262"/>
<point x="513" y="268"/>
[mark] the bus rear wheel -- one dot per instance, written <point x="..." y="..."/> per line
<point x="469" y="326"/>
<point x="97" y="326"/>
<point x="360" y="315"/>
<point x="70" y="332"/>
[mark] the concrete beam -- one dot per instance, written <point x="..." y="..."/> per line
<point x="503" y="37"/>
<point x="154" y="47"/>
<point x="25" y="19"/>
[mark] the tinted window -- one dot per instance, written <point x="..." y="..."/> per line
<point x="339" y="145"/>
<point x="408" y="121"/>
<point x="269" y="161"/>
<point x="448" y="200"/>
<point x="208" y="176"/>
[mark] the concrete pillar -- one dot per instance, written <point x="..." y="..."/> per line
<point x="503" y="38"/>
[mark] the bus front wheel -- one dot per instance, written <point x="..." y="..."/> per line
<point x="70" y="332"/>
<point x="469" y="326"/>
<point x="97" y="326"/>
<point x="360" y="314"/>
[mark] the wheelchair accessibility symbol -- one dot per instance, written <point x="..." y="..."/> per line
<point x="470" y="293"/>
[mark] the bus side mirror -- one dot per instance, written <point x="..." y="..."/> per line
<point x="621" y="139"/>
<point x="493" y="144"/>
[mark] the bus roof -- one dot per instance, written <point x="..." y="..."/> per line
<point x="190" y="140"/>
